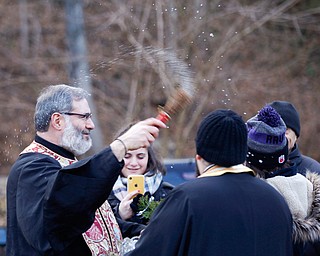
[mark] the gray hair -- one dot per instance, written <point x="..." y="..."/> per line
<point x="55" y="98"/>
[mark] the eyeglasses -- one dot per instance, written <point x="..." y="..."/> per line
<point x="85" y="116"/>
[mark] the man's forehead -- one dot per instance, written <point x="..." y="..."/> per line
<point x="81" y="105"/>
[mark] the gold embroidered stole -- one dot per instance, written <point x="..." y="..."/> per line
<point x="35" y="147"/>
<point x="218" y="170"/>
<point x="104" y="236"/>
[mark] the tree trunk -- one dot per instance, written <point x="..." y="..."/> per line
<point x="78" y="67"/>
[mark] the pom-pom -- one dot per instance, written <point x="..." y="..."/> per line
<point x="269" y="116"/>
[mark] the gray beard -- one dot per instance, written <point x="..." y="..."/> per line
<point x="73" y="140"/>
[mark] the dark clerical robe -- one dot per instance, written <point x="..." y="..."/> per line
<point x="231" y="214"/>
<point x="50" y="207"/>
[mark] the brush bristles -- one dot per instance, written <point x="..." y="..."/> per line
<point x="177" y="101"/>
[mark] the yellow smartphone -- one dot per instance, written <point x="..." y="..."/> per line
<point x="135" y="181"/>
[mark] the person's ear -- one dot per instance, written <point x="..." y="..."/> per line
<point x="291" y="137"/>
<point x="57" y="121"/>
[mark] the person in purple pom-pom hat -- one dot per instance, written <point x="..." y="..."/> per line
<point x="268" y="157"/>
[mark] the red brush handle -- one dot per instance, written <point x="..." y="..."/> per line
<point x="163" y="116"/>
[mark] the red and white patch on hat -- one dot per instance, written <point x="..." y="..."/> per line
<point x="281" y="159"/>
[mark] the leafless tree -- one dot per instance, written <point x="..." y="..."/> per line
<point x="242" y="54"/>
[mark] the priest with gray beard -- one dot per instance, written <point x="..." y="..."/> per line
<point x="56" y="205"/>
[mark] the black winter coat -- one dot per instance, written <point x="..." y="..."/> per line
<point x="303" y="162"/>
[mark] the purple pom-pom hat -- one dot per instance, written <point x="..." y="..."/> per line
<point x="267" y="144"/>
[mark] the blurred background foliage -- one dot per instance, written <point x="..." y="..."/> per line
<point x="241" y="54"/>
